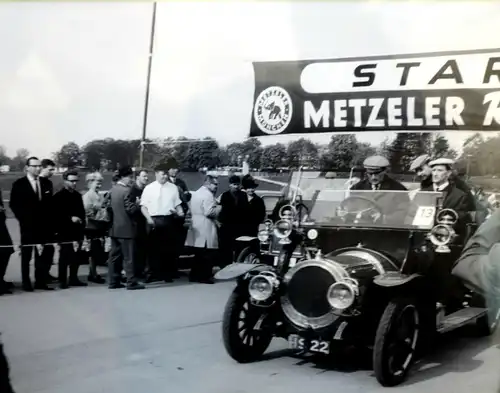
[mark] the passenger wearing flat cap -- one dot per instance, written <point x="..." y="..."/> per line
<point x="256" y="210"/>
<point x="234" y="204"/>
<point x="424" y="173"/>
<point x="453" y="198"/>
<point x="376" y="176"/>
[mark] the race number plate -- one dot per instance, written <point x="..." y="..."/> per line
<point x="302" y="344"/>
<point x="424" y="216"/>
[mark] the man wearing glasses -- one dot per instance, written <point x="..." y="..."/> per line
<point x="70" y="229"/>
<point x="30" y="201"/>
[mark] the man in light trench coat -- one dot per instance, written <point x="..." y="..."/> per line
<point x="202" y="235"/>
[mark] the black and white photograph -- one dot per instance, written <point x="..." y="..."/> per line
<point x="207" y="197"/>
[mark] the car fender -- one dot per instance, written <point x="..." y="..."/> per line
<point x="395" y="279"/>
<point x="246" y="238"/>
<point x="236" y="270"/>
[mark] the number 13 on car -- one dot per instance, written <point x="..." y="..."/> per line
<point x="424" y="216"/>
<point x="300" y="343"/>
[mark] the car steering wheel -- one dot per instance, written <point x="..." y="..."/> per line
<point x="372" y="213"/>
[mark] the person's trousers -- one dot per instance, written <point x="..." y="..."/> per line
<point x="121" y="256"/>
<point x="228" y="244"/>
<point x="5" y="385"/>
<point x="181" y="234"/>
<point x="4" y="262"/>
<point x="68" y="258"/>
<point x="141" y="255"/>
<point x="202" y="264"/>
<point x="48" y="256"/>
<point x="41" y="267"/>
<point x="163" y="244"/>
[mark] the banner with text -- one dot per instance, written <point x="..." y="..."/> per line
<point x="418" y="92"/>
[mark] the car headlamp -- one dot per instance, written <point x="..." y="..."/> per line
<point x="312" y="234"/>
<point x="341" y="295"/>
<point x="283" y="229"/>
<point x="441" y="235"/>
<point x="261" y="287"/>
<point x="263" y="235"/>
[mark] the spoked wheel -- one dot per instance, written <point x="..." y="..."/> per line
<point x="248" y="255"/>
<point x="246" y="329"/>
<point x="396" y="342"/>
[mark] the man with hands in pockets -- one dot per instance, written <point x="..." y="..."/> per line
<point x="161" y="205"/>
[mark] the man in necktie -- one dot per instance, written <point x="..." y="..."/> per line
<point x="30" y="201"/>
<point x="453" y="197"/>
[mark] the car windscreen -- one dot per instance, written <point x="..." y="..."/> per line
<point x="379" y="209"/>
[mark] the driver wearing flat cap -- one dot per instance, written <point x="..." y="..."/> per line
<point x="377" y="177"/>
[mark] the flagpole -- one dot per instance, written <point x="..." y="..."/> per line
<point x="148" y="82"/>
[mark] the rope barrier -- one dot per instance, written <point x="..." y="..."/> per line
<point x="106" y="242"/>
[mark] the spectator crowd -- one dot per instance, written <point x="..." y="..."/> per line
<point x="138" y="229"/>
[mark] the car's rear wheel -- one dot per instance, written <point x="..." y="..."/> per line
<point x="396" y="342"/>
<point x="248" y="255"/>
<point x="247" y="330"/>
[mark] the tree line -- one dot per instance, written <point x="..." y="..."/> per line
<point x="341" y="153"/>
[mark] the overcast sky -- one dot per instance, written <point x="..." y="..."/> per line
<point x="76" y="72"/>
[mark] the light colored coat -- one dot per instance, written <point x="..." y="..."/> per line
<point x="204" y="210"/>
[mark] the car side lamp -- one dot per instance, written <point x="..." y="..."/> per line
<point x="443" y="233"/>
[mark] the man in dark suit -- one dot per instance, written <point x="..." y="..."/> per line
<point x="234" y="204"/>
<point x="48" y="169"/>
<point x="141" y="246"/>
<point x="453" y="197"/>
<point x="123" y="232"/>
<point x="424" y="173"/>
<point x="179" y="221"/>
<point x="70" y="229"/>
<point x="393" y="205"/>
<point x="376" y="176"/>
<point x="30" y="201"/>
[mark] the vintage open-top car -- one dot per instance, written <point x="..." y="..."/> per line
<point x="380" y="279"/>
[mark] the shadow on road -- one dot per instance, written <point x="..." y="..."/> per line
<point x="456" y="352"/>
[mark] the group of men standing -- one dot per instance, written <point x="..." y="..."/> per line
<point x="45" y="218"/>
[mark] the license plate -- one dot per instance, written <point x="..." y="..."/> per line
<point x="293" y="261"/>
<point x="302" y="344"/>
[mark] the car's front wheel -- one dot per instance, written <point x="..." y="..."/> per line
<point x="396" y="341"/>
<point x="247" y="330"/>
<point x="248" y="255"/>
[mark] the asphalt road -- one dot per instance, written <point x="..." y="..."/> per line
<point x="167" y="338"/>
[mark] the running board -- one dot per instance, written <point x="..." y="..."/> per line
<point x="460" y="318"/>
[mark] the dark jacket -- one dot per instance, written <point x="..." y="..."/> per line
<point x="255" y="215"/>
<point x="460" y="184"/>
<point x="32" y="213"/>
<point x="233" y="214"/>
<point x="69" y="204"/>
<point x="136" y="192"/>
<point x="387" y="183"/>
<point x="124" y="212"/>
<point x="5" y="239"/>
<point x="184" y="193"/>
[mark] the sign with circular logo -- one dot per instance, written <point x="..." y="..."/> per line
<point x="273" y="110"/>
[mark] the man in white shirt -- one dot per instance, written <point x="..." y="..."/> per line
<point x="160" y="205"/>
